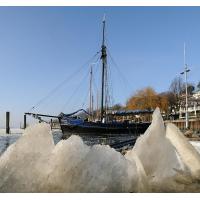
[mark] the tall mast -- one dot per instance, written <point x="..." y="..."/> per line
<point x="104" y="61"/>
<point x="91" y="109"/>
<point x="97" y="114"/>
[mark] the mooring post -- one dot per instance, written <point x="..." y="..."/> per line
<point x="24" y="121"/>
<point x="51" y="122"/>
<point x="7" y="122"/>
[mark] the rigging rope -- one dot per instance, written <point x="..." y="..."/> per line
<point x="121" y="75"/>
<point x="84" y="102"/>
<point x="85" y="98"/>
<point x="93" y="82"/>
<point x="75" y="91"/>
<point x="95" y="72"/>
<point x="60" y="84"/>
<point x="110" y="97"/>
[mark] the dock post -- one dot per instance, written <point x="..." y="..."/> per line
<point x="24" y="121"/>
<point x="51" y="122"/>
<point x="7" y="122"/>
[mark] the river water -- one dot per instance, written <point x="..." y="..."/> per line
<point x="7" y="139"/>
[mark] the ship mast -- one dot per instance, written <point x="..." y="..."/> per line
<point x="91" y="97"/>
<point x="104" y="62"/>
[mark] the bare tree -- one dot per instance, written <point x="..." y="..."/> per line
<point x="171" y="100"/>
<point x="177" y="86"/>
<point x="117" y="107"/>
<point x="198" y="86"/>
<point x="190" y="88"/>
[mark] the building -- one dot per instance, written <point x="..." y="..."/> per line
<point x="131" y="115"/>
<point x="193" y="106"/>
<point x="196" y="95"/>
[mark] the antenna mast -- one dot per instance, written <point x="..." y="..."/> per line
<point x="186" y="70"/>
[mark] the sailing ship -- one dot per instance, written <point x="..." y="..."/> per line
<point x="70" y="123"/>
<point x="104" y="127"/>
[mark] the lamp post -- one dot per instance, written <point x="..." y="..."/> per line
<point x="186" y="70"/>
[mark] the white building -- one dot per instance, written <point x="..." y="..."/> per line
<point x="193" y="105"/>
<point x="196" y="95"/>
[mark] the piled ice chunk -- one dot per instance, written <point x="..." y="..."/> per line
<point x="22" y="165"/>
<point x="75" y="167"/>
<point x="155" y="151"/>
<point x="161" y="160"/>
<point x="35" y="164"/>
<point x="168" y="158"/>
<point x="189" y="155"/>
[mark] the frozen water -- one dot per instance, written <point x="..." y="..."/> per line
<point x="168" y="158"/>
<point x="143" y="183"/>
<point x="35" y="164"/>
<point x="196" y="145"/>
<point x="76" y="167"/>
<point x="12" y="130"/>
<point x="161" y="161"/>
<point x="22" y="165"/>
<point x="157" y="154"/>
<point x="189" y="155"/>
<point x="57" y="135"/>
<point x="7" y="140"/>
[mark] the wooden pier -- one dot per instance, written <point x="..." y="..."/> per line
<point x="194" y="124"/>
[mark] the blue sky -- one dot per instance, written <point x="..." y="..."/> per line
<point x="42" y="46"/>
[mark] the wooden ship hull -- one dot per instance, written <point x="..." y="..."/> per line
<point x="104" y="129"/>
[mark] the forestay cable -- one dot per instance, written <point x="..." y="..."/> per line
<point x="63" y="82"/>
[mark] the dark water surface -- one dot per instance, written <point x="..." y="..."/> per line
<point x="7" y="139"/>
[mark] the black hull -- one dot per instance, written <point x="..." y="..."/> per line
<point x="104" y="130"/>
